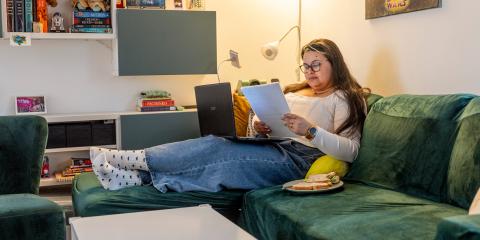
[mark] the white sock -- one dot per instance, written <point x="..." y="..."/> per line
<point x="113" y="178"/>
<point x="124" y="159"/>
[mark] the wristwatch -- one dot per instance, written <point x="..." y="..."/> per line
<point x="311" y="132"/>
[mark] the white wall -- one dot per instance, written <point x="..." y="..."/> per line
<point x="426" y="52"/>
<point x="434" y="51"/>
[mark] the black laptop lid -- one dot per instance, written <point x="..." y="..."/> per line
<point x="215" y="109"/>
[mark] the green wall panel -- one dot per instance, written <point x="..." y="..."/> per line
<point x="162" y="42"/>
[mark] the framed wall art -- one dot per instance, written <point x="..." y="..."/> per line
<point x="382" y="8"/>
<point x="30" y="105"/>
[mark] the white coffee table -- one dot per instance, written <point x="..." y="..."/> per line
<point x="200" y="222"/>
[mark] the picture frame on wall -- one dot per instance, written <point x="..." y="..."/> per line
<point x="382" y="8"/>
<point x="32" y="105"/>
<point x="178" y="4"/>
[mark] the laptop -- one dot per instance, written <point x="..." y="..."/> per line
<point x="215" y="112"/>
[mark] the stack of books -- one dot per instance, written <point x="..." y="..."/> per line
<point x="22" y="15"/>
<point x="79" y="165"/>
<point x="91" y="22"/>
<point x="153" y="104"/>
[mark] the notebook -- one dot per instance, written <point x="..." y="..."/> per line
<point x="215" y="112"/>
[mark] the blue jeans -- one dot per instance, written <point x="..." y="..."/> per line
<point x="213" y="163"/>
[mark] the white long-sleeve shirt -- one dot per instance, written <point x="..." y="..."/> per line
<point x="327" y="114"/>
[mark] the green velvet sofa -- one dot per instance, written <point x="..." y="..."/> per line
<point x="24" y="214"/>
<point x="416" y="173"/>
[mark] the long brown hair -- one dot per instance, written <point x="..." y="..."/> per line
<point x="342" y="80"/>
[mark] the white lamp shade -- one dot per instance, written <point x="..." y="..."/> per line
<point x="270" y="50"/>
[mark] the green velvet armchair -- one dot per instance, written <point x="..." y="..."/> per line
<point x="24" y="214"/>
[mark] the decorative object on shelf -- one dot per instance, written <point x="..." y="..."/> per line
<point x="20" y="40"/>
<point x="45" y="167"/>
<point x="381" y="8"/>
<point x="196" y="4"/>
<point x="92" y="5"/>
<point x="30" y="105"/>
<point x="57" y="23"/>
<point x="119" y="4"/>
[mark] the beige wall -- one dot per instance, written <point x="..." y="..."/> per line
<point x="427" y="52"/>
<point x="433" y="51"/>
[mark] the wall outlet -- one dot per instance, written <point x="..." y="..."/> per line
<point x="234" y="59"/>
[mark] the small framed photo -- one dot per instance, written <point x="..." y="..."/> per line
<point x="30" y="105"/>
<point x="178" y="4"/>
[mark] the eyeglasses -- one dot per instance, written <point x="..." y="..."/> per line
<point x="315" y="66"/>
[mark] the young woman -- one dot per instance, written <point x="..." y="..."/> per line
<point x="328" y="111"/>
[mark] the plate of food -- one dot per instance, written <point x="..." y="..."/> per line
<point x="314" y="183"/>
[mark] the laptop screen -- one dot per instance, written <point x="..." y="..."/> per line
<point x="215" y="109"/>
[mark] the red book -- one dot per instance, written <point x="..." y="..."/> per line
<point x="156" y="103"/>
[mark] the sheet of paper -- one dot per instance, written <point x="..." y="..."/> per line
<point x="269" y="104"/>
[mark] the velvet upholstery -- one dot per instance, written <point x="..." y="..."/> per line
<point x="407" y="142"/>
<point x="28" y="216"/>
<point x="22" y="144"/>
<point x="91" y="199"/>
<point x="416" y="173"/>
<point x="459" y="227"/>
<point x="23" y="214"/>
<point x="355" y="212"/>
<point x="464" y="171"/>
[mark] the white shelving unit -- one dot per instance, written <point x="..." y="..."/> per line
<point x="65" y="36"/>
<point x="64" y="6"/>
<point x="59" y="156"/>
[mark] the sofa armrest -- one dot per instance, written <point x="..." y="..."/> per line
<point x="459" y="227"/>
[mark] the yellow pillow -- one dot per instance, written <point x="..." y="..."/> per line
<point x="326" y="164"/>
<point x="241" y="110"/>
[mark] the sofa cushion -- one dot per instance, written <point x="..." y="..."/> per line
<point x="91" y="199"/>
<point x="459" y="227"/>
<point x="357" y="212"/>
<point x="406" y="144"/>
<point x="464" y="171"/>
<point x="28" y="216"/>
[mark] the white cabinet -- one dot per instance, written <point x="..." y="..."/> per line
<point x="133" y="130"/>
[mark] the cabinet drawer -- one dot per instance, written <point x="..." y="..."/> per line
<point x="103" y="133"/>
<point x="79" y="134"/>
<point x="57" y="137"/>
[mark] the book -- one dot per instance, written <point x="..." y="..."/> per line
<point x="91" y="30"/>
<point x="81" y="162"/>
<point x="155" y="103"/>
<point x="91" y="21"/>
<point x="91" y="26"/>
<point x="155" y="109"/>
<point x="29" y="15"/>
<point x="10" y="16"/>
<point x="19" y="10"/>
<point x="42" y="20"/>
<point x="145" y="4"/>
<point x="86" y="14"/>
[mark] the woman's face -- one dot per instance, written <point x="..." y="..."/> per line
<point x="318" y="80"/>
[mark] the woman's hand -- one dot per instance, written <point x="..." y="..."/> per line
<point x="261" y="127"/>
<point x="296" y="124"/>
